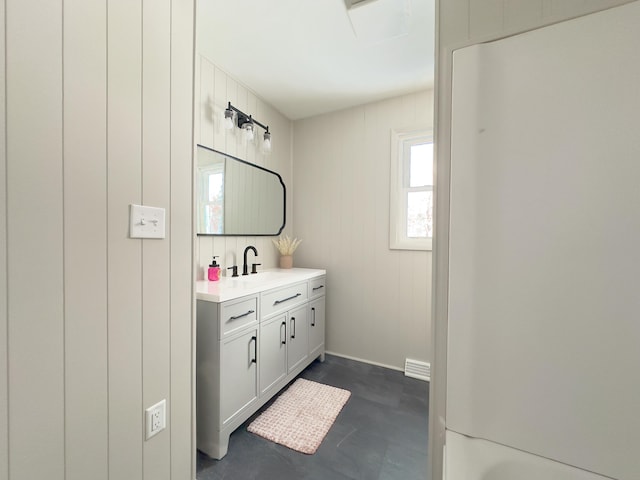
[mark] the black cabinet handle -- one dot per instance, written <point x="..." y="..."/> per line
<point x="293" y="327"/>
<point x="317" y="288"/>
<point x="287" y="299"/>
<point x="284" y="342"/>
<point x="254" y="339"/>
<point x="313" y="311"/>
<point x="243" y="315"/>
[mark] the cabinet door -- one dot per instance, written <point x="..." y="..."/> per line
<point x="298" y="337"/>
<point x="273" y="352"/>
<point x="238" y="374"/>
<point x="316" y="327"/>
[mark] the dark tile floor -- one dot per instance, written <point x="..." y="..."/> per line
<point x="380" y="434"/>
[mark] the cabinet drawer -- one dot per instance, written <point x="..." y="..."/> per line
<point x="282" y="299"/>
<point x="237" y="314"/>
<point x="317" y="287"/>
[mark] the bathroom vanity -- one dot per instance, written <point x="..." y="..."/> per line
<point x="255" y="334"/>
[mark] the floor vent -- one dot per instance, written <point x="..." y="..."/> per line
<point x="416" y="369"/>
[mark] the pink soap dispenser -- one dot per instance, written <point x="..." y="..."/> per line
<point x="213" y="272"/>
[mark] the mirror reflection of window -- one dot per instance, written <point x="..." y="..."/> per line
<point x="211" y="185"/>
<point x="214" y="206"/>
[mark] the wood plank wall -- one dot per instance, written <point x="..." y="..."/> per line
<point x="4" y="397"/>
<point x="214" y="89"/>
<point x="85" y="234"/>
<point x="95" y="326"/>
<point x="462" y="23"/>
<point x="378" y="300"/>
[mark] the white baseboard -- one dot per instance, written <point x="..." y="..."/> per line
<point x="364" y="361"/>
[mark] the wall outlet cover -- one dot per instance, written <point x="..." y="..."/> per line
<point x="155" y="419"/>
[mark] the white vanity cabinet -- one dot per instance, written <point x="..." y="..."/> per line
<point x="254" y="336"/>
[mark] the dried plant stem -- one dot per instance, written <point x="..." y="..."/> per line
<point x="285" y="245"/>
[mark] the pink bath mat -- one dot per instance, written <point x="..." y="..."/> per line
<point x="301" y="416"/>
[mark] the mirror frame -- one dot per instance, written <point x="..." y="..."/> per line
<point x="284" y="197"/>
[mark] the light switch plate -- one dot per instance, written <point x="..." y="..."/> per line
<point x="146" y="222"/>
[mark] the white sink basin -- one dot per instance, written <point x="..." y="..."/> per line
<point x="260" y="277"/>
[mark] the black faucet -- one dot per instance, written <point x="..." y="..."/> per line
<point x="245" y="268"/>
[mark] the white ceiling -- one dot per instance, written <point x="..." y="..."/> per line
<point x="304" y="57"/>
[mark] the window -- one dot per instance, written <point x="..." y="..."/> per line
<point x="411" y="202"/>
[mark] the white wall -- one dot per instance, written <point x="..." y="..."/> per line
<point x="461" y="23"/>
<point x="95" y="326"/>
<point x="543" y="252"/>
<point x="214" y="89"/>
<point x="378" y="300"/>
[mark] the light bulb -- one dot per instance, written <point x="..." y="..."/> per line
<point x="248" y="131"/>
<point x="228" y="119"/>
<point x="266" y="144"/>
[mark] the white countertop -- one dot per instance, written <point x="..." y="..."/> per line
<point x="229" y="288"/>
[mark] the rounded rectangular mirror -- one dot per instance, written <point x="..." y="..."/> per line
<point x="235" y="197"/>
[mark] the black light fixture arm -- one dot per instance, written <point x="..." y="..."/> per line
<point x="244" y="118"/>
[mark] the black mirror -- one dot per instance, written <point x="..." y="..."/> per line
<point x="235" y="197"/>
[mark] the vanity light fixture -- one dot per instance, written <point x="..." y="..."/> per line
<point x="248" y="125"/>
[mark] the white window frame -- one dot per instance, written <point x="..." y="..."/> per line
<point x="401" y="141"/>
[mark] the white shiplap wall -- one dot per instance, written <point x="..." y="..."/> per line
<point x="378" y="300"/>
<point x="214" y="89"/>
<point x="462" y="23"/>
<point x="95" y="326"/>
